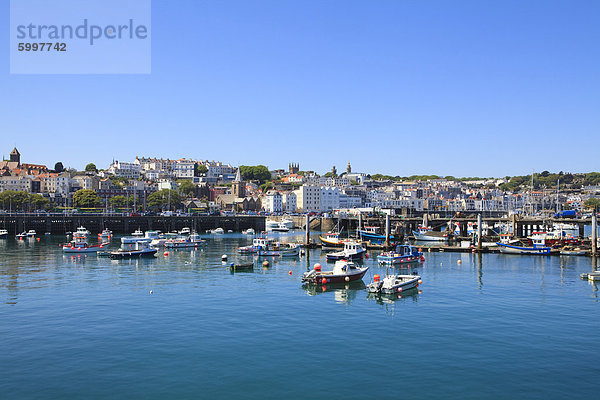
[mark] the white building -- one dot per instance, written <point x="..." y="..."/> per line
<point x="184" y="169"/>
<point x="289" y="202"/>
<point x="308" y="198"/>
<point x="330" y="198"/>
<point x="125" y="170"/>
<point x="273" y="202"/>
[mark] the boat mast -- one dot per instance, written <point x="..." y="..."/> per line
<point x="557" y="191"/>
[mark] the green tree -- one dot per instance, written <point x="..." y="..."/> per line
<point x="58" y="167"/>
<point x="118" y="201"/>
<point x="38" y="202"/>
<point x="160" y="199"/>
<point x="91" y="167"/>
<point x="86" y="198"/>
<point x="200" y="169"/>
<point x="258" y="173"/>
<point x="186" y="188"/>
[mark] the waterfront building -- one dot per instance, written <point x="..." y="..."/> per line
<point x="125" y="170"/>
<point x="184" y="169"/>
<point x="273" y="202"/>
<point x="289" y="202"/>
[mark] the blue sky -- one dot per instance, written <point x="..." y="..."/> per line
<point x="464" y="88"/>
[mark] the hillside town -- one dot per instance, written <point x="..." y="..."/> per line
<point x="148" y="184"/>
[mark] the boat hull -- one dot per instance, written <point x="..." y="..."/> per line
<point x="508" y="249"/>
<point x="344" y="256"/>
<point x="395" y="284"/>
<point x="424" y="237"/>
<point x="133" y="254"/>
<point x="402" y="260"/>
<point x="339" y="278"/>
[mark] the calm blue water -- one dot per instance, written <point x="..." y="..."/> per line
<point x="494" y="326"/>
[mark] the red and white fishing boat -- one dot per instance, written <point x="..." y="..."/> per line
<point x="79" y="245"/>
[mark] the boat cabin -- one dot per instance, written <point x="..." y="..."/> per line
<point x="342" y="267"/>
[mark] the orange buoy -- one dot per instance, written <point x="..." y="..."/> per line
<point x="419" y="282"/>
<point x="290" y="272"/>
<point x="324" y="281"/>
<point x="166" y="253"/>
<point x="317" y="267"/>
<point x="376" y="277"/>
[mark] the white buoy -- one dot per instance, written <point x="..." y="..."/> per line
<point x="224" y="257"/>
<point x="151" y="292"/>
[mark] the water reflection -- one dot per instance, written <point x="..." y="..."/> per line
<point x="343" y="293"/>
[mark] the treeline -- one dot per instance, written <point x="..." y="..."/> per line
<point x="547" y="180"/>
<point x="23" y="201"/>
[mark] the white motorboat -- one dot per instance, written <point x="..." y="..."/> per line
<point x="218" y="231"/>
<point x="137" y="250"/>
<point x="352" y="250"/>
<point x="106" y="234"/>
<point x="286" y="223"/>
<point x="138" y="233"/>
<point x="427" y="234"/>
<point x="249" y="231"/>
<point x="31" y="233"/>
<point x="148" y="237"/>
<point x="343" y="271"/>
<point x="3" y="233"/>
<point x="192" y="241"/>
<point x="185" y="231"/>
<point x="270" y="225"/>
<point x="391" y="284"/>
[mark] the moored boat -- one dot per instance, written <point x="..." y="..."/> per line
<point x="3" y="233"/>
<point x="403" y="254"/>
<point x="352" y="251"/>
<point x="538" y="248"/>
<point x="137" y="250"/>
<point x="343" y="271"/>
<point x="249" y="231"/>
<point x="427" y="234"/>
<point x="371" y="233"/>
<point x="80" y="245"/>
<point x="393" y="283"/>
<point x="192" y="241"/>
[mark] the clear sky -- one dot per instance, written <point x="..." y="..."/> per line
<point x="464" y="88"/>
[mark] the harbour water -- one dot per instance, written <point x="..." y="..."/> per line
<point x="492" y="326"/>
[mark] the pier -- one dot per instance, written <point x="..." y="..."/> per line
<point x="61" y="224"/>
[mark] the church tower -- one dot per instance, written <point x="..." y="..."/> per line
<point x="15" y="156"/>
<point x="238" y="186"/>
<point x="348" y="168"/>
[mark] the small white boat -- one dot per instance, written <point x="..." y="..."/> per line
<point x="21" y="235"/>
<point x="286" y="223"/>
<point x="3" y="233"/>
<point x="218" y="231"/>
<point x="270" y="225"/>
<point x="352" y="250"/>
<point x="31" y="233"/>
<point x="249" y="231"/>
<point x="139" y="249"/>
<point x="391" y="284"/>
<point x="106" y="234"/>
<point x="280" y="250"/>
<point x="185" y="231"/>
<point x="570" y="251"/>
<point x="591" y="276"/>
<point x="138" y="233"/>
<point x="426" y="234"/>
<point x="192" y="241"/>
